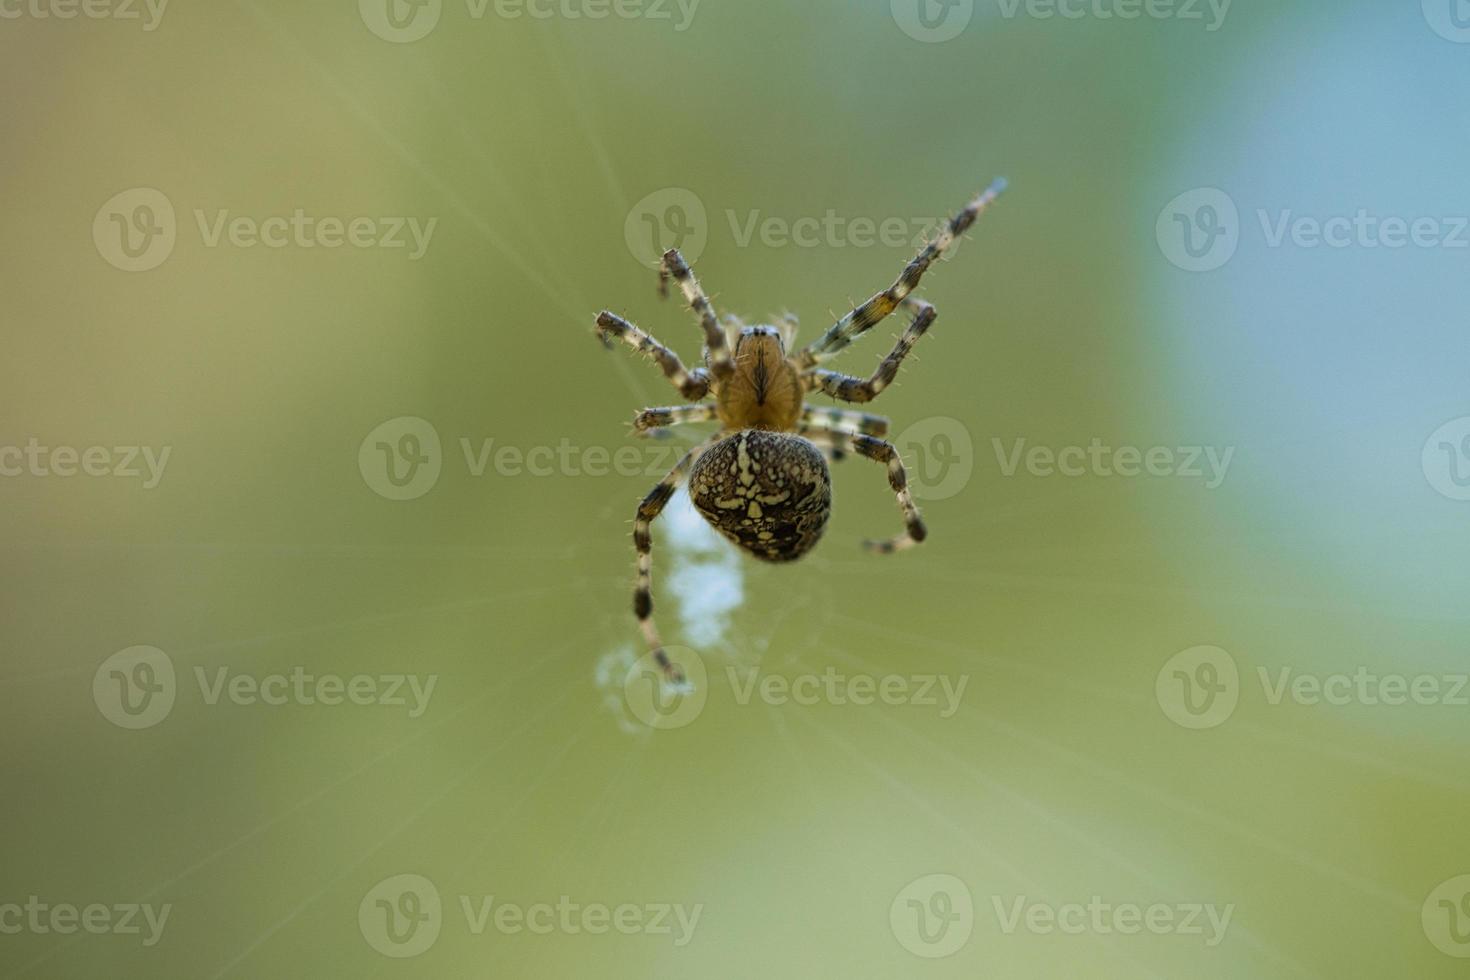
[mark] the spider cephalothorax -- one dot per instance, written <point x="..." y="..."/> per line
<point x="764" y="389"/>
<point x="762" y="481"/>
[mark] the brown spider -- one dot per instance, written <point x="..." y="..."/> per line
<point x="762" y="480"/>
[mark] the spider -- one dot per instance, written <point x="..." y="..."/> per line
<point x="762" y="480"/>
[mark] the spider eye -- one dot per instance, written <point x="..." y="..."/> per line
<point x="758" y="333"/>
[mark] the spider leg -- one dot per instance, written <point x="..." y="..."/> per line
<point x="875" y="310"/>
<point x="652" y="506"/>
<point x="717" y="352"/>
<point x="693" y="385"/>
<point x="832" y="443"/>
<point x="849" y="389"/>
<point x="652" y="421"/>
<point x="787" y="325"/>
<point x="880" y="451"/>
<point x="843" y="419"/>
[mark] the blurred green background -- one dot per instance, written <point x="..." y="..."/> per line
<point x="548" y="150"/>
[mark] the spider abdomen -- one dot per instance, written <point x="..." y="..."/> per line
<point x="768" y="492"/>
